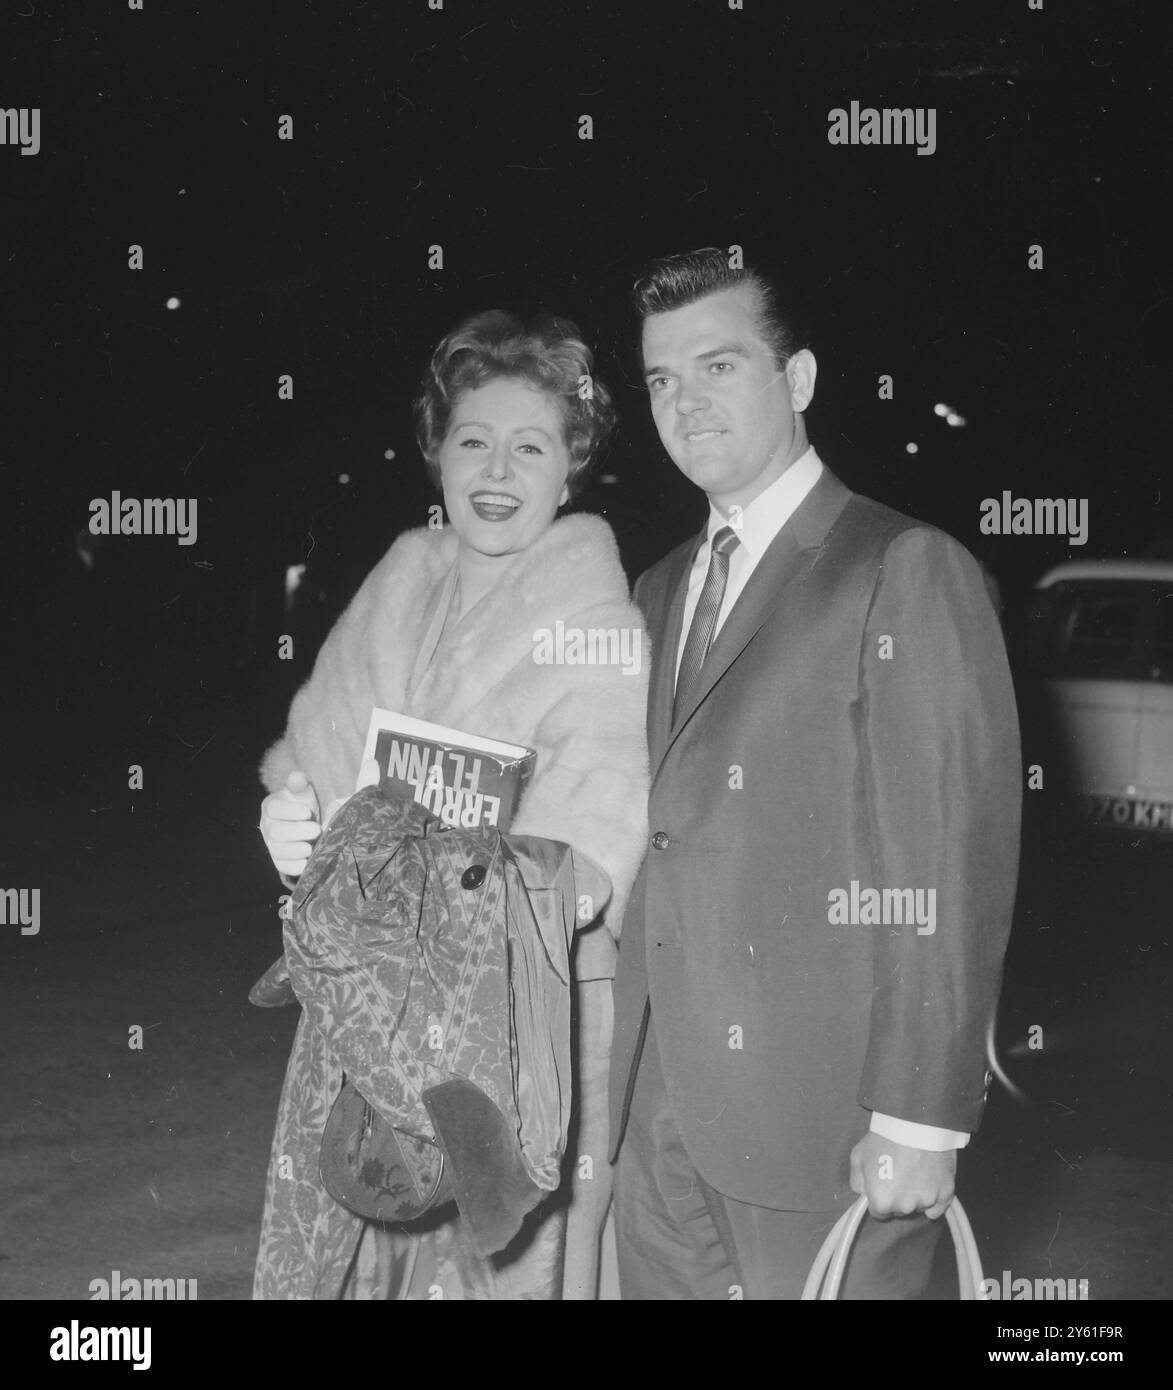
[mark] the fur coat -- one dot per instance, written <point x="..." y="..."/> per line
<point x="587" y="722"/>
<point x="588" y="787"/>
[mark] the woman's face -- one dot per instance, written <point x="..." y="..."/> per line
<point x="503" y="465"/>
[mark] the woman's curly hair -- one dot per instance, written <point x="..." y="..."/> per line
<point x="547" y="352"/>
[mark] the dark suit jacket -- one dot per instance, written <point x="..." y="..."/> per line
<point x="812" y="753"/>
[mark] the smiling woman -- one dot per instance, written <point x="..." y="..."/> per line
<point x="547" y="353"/>
<point x="446" y="628"/>
<point x="509" y="421"/>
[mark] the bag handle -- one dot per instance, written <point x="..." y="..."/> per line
<point x="827" y="1270"/>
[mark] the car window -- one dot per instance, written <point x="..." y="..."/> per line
<point x="1163" y="637"/>
<point x="1101" y="625"/>
<point x="1095" y="629"/>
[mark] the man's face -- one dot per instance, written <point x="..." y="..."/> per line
<point x="729" y="416"/>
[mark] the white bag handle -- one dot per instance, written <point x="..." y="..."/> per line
<point x="827" y="1270"/>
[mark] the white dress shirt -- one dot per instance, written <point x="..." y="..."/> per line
<point x="756" y="525"/>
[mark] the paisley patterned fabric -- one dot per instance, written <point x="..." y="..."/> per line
<point x="419" y="952"/>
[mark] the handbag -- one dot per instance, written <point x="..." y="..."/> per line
<point x="375" y="1169"/>
<point x="827" y="1271"/>
<point x="380" y="1171"/>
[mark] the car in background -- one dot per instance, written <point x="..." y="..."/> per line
<point x="1101" y="643"/>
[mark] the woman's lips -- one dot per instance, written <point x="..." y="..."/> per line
<point x="494" y="506"/>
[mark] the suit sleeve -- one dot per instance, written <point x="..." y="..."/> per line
<point x="942" y="772"/>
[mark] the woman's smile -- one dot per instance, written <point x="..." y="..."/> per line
<point x="494" y="506"/>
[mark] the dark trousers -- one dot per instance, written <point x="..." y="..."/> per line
<point x="678" y="1238"/>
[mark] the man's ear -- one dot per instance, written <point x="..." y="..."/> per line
<point x="801" y="371"/>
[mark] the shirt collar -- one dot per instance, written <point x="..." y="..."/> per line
<point x="770" y="510"/>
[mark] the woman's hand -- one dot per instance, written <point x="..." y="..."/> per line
<point x="290" y="824"/>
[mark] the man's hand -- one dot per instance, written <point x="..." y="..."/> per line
<point x="898" y="1180"/>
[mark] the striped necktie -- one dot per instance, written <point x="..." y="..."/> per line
<point x="704" y="620"/>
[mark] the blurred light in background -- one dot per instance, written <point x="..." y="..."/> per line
<point x="84" y="545"/>
<point x="292" y="579"/>
<point x="911" y="448"/>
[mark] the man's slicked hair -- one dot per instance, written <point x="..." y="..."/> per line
<point x="671" y="282"/>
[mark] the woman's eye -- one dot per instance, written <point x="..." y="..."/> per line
<point x="657" y="383"/>
<point x="536" y="449"/>
<point x="472" y="444"/>
<point x="715" y="366"/>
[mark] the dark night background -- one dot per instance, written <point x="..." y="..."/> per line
<point x="309" y="257"/>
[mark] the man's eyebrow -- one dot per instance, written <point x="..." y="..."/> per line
<point x="725" y="350"/>
<point x="729" y="349"/>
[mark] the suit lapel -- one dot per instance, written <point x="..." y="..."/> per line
<point x="790" y="554"/>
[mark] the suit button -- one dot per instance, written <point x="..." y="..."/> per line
<point x="473" y="877"/>
<point x="660" y="840"/>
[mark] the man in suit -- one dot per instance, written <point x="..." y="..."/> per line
<point x="813" y="950"/>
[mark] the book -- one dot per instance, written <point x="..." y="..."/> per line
<point x="463" y="779"/>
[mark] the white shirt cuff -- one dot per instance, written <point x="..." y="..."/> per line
<point x="917" y="1136"/>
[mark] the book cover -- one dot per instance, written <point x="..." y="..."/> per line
<point x="464" y="779"/>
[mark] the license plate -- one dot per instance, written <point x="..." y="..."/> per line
<point x="1130" y="813"/>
